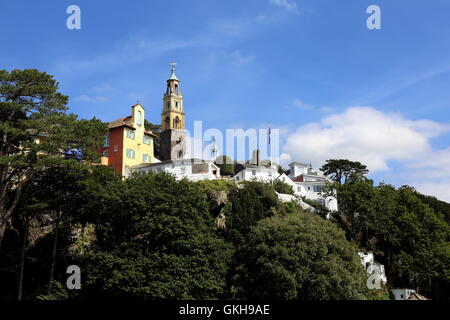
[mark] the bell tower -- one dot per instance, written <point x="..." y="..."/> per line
<point x="173" y="136"/>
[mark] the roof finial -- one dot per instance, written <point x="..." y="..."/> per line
<point x="172" y="75"/>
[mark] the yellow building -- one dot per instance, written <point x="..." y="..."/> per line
<point x="128" y="143"/>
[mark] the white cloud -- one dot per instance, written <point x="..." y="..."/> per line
<point x="375" y="138"/>
<point x="360" y="133"/>
<point x="299" y="104"/>
<point x="92" y="99"/>
<point x="440" y="190"/>
<point x="239" y="59"/>
<point x="430" y="174"/>
<point x="289" y="5"/>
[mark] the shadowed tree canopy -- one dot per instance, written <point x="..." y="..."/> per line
<point x="156" y="129"/>
<point x="31" y="109"/>
<point x="156" y="240"/>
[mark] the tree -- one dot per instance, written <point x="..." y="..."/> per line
<point x="255" y="201"/>
<point x="343" y="169"/>
<point x="31" y="108"/>
<point x="226" y="165"/>
<point x="299" y="256"/>
<point x="282" y="187"/>
<point x="155" y="240"/>
<point x="156" y="129"/>
<point x="405" y="234"/>
<point x="53" y="195"/>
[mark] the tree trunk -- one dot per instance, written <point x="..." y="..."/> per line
<point x="22" y="260"/>
<point x="52" y="267"/>
<point x="2" y="228"/>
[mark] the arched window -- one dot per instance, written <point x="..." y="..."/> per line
<point x="139" y="118"/>
<point x="176" y="123"/>
<point x="167" y="122"/>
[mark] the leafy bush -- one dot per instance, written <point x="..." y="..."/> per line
<point x="299" y="256"/>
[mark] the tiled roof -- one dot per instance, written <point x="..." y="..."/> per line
<point x="126" y="122"/>
<point x="120" y="123"/>
<point x="298" y="178"/>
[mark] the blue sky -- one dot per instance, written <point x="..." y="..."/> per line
<point x="311" y="68"/>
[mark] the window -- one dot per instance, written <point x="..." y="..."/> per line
<point x="130" y="133"/>
<point x="183" y="170"/>
<point x="106" y="153"/>
<point x="131" y="154"/>
<point x="139" y="118"/>
<point x="253" y="172"/>
<point x="176" y="104"/>
<point x="147" y="139"/>
<point x="116" y="148"/>
<point x="145" y="158"/>
<point x="106" y="143"/>
<point x="317" y="188"/>
<point x="299" y="189"/>
<point x="176" y="123"/>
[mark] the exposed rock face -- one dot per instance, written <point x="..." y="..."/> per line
<point x="217" y="200"/>
<point x="288" y="198"/>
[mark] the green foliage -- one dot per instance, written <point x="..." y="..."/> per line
<point x="226" y="165"/>
<point x="436" y="204"/>
<point x="321" y="210"/>
<point x="343" y="169"/>
<point x="255" y="201"/>
<point x="59" y="292"/>
<point x="282" y="187"/>
<point x="31" y="108"/>
<point x="156" y="240"/>
<point x="299" y="256"/>
<point x="156" y="129"/>
<point x="217" y="185"/>
<point x="407" y="236"/>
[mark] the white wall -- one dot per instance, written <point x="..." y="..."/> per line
<point x="183" y="170"/>
<point x="297" y="170"/>
<point x="261" y="174"/>
<point x="402" y="294"/>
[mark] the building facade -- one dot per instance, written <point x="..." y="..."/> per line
<point x="173" y="136"/>
<point x="127" y="143"/>
<point x="309" y="184"/>
<point x="191" y="169"/>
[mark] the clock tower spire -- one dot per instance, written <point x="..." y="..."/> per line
<point x="173" y="136"/>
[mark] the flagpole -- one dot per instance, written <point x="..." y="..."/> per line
<point x="270" y="159"/>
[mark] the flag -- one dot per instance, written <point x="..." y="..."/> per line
<point x="269" y="133"/>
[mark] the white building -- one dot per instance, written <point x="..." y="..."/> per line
<point x="302" y="178"/>
<point x="371" y="266"/>
<point x="251" y="172"/>
<point x="367" y="258"/>
<point x="192" y="169"/>
<point x="402" y="294"/>
<point x="309" y="184"/>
